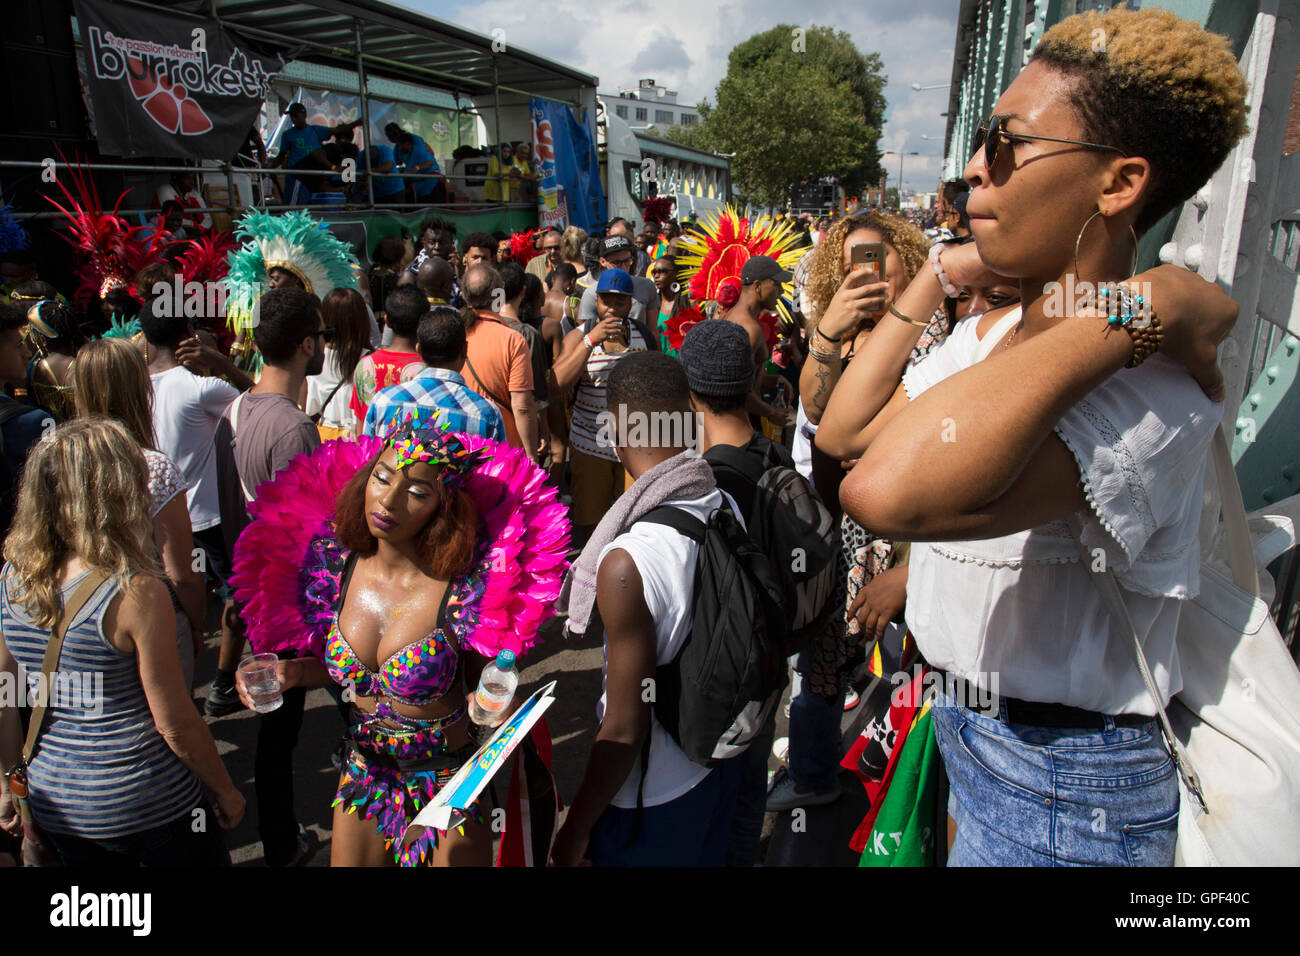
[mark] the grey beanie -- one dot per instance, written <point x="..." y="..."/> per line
<point x="717" y="359"/>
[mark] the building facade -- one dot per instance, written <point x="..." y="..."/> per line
<point x="648" y="104"/>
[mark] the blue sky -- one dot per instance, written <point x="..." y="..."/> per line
<point x="683" y="44"/>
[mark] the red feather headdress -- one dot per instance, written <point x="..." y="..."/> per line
<point x="657" y="208"/>
<point x="110" y="251"/>
<point x="675" y="328"/>
<point x="204" y="258"/>
<point x="707" y="259"/>
<point x="522" y="248"/>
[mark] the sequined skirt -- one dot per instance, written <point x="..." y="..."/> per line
<point x="389" y="774"/>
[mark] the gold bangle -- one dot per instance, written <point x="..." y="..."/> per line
<point x="893" y="310"/>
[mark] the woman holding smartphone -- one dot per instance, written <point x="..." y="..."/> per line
<point x="849" y="291"/>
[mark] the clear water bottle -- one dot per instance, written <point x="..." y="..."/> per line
<point x="496" y="689"/>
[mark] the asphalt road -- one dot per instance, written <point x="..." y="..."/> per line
<point x="819" y="839"/>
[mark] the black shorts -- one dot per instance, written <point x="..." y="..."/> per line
<point x="213" y="542"/>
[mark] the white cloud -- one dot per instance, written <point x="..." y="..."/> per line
<point x="683" y="45"/>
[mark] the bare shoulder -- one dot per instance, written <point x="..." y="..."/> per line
<point x="620" y="594"/>
<point x="618" y="570"/>
<point x="143" y="593"/>
<point x="133" y="608"/>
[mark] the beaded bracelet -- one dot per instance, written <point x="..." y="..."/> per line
<point x="1131" y="312"/>
<point x="950" y="290"/>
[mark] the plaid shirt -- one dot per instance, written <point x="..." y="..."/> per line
<point x="435" y="391"/>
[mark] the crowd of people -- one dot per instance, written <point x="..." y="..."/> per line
<point x="901" y="465"/>
<point x="402" y="168"/>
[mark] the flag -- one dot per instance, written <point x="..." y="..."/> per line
<point x="904" y="831"/>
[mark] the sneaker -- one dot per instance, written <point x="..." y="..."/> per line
<point x="222" y="702"/>
<point x="851" y="699"/>
<point x="305" y="847"/>
<point x="786" y="796"/>
<point x="781" y="749"/>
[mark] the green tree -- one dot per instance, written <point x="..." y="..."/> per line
<point x="891" y="198"/>
<point x="692" y="136"/>
<point x="795" y="101"/>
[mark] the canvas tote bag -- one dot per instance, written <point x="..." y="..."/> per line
<point x="1234" y="728"/>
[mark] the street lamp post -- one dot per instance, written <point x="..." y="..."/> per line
<point x="937" y="86"/>
<point x="900" y="155"/>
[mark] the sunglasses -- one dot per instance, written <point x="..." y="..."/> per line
<point x="326" y="334"/>
<point x="992" y="135"/>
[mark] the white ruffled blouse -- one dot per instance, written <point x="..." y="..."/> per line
<point x="1020" y="614"/>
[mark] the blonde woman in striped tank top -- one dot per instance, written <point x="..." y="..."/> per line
<point x="124" y="765"/>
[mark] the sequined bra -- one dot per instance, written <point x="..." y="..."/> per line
<point x="418" y="674"/>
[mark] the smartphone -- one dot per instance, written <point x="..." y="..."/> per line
<point x="868" y="255"/>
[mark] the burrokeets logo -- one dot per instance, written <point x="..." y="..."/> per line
<point x="164" y="78"/>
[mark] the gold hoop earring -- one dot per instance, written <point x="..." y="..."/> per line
<point x="1133" y="264"/>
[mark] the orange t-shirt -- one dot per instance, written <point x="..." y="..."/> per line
<point x="498" y="364"/>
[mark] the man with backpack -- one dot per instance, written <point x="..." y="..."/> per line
<point x="781" y="513"/>
<point x="692" y="669"/>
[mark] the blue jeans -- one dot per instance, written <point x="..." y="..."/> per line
<point x="751" y="799"/>
<point x="692" y="830"/>
<point x="1044" y="796"/>
<point x="815" y="739"/>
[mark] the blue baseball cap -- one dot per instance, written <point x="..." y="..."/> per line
<point x="614" y="280"/>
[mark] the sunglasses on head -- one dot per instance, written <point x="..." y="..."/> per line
<point x="993" y="134"/>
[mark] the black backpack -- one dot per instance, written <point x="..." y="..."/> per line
<point x="722" y="686"/>
<point x="790" y="525"/>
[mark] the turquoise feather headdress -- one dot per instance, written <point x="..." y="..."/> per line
<point x="294" y="241"/>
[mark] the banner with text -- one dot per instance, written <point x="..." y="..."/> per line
<point x="568" y="172"/>
<point x="166" y="86"/>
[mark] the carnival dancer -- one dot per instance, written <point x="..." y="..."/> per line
<point x="397" y="565"/>
<point x="722" y="262"/>
<point x="291" y="250"/>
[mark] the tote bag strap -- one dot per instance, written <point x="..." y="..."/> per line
<point x="1241" y="552"/>
<point x="53" y="651"/>
<point x="1241" y="557"/>
<point x="1108" y="585"/>
<point x="235" y="408"/>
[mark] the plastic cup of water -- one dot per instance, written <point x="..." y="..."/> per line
<point x="263" y="686"/>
